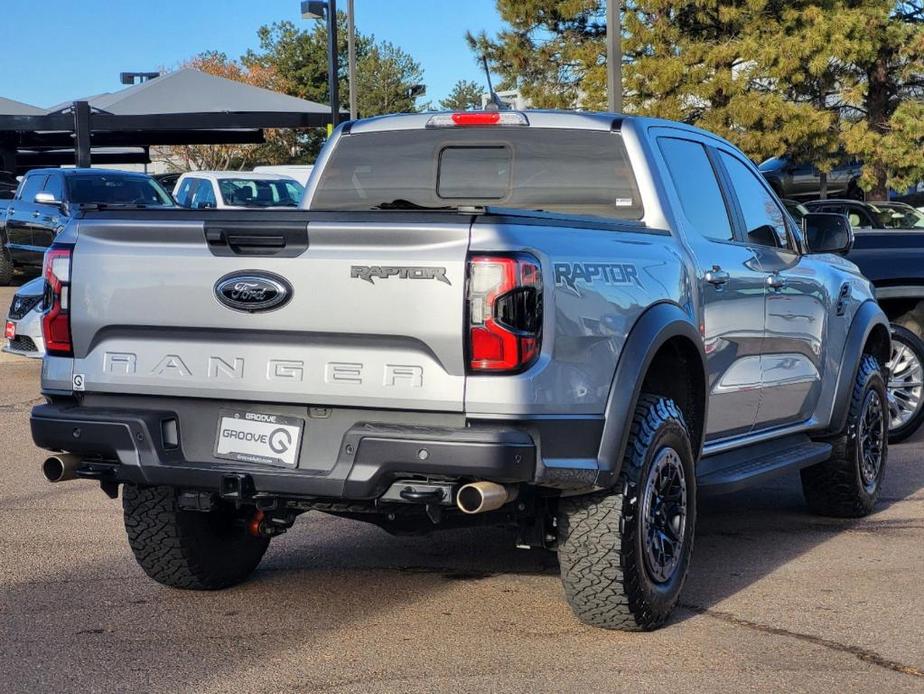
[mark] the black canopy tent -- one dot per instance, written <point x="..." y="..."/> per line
<point x="182" y="107"/>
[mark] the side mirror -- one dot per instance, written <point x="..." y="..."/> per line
<point x="46" y="199"/>
<point x="826" y="232"/>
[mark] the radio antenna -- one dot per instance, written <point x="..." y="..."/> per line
<point x="495" y="103"/>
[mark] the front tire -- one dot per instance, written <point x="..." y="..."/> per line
<point x="906" y="384"/>
<point x="188" y="549"/>
<point x="848" y="484"/>
<point x="624" y="553"/>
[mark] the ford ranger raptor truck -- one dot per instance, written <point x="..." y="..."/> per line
<point x="570" y="323"/>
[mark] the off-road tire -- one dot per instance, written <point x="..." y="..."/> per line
<point x="600" y="549"/>
<point x="915" y="344"/>
<point x="6" y="267"/>
<point x="188" y="549"/>
<point x="836" y="487"/>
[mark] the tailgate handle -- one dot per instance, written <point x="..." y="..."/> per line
<point x="243" y="241"/>
<point x="282" y="239"/>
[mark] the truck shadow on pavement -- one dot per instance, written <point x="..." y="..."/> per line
<point x="333" y="586"/>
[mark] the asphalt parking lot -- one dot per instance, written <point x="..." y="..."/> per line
<point x="777" y="600"/>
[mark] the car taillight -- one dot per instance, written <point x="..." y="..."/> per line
<point x="504" y="312"/>
<point x="56" y="321"/>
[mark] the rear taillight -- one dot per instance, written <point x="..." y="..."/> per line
<point x="504" y="312"/>
<point x="56" y="321"/>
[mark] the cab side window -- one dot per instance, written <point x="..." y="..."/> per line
<point x="184" y="194"/>
<point x="204" y="196"/>
<point x="697" y="187"/>
<point x="764" y="220"/>
<point x="30" y="186"/>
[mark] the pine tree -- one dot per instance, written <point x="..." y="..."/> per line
<point x="815" y="80"/>
<point x="884" y="90"/>
<point x="384" y="72"/>
<point x="553" y="51"/>
<point x="465" y="96"/>
<point x="749" y="70"/>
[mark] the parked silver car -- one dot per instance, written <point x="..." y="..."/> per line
<point x="23" y="326"/>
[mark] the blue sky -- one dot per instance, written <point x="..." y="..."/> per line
<point x="81" y="46"/>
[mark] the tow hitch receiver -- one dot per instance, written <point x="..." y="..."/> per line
<point x="432" y="495"/>
<point x="236" y="487"/>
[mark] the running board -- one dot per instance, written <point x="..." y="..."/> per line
<point x="744" y="467"/>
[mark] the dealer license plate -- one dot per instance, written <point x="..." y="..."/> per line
<point x="253" y="437"/>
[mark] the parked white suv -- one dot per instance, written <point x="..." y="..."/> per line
<point x="235" y="190"/>
<point x="22" y="330"/>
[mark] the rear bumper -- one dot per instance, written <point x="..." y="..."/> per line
<point x="129" y="445"/>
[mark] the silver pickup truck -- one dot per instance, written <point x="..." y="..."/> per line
<point x="568" y="323"/>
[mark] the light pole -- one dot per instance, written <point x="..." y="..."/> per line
<point x="351" y="51"/>
<point x="614" y="55"/>
<point x="321" y="9"/>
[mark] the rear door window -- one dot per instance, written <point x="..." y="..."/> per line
<point x="697" y="187"/>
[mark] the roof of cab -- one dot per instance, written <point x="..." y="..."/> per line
<point x="89" y="172"/>
<point x="580" y="120"/>
<point x="246" y="175"/>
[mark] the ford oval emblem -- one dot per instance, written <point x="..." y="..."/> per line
<point x="253" y="291"/>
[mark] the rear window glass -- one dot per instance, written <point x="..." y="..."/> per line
<point x="103" y="189"/>
<point x="581" y="172"/>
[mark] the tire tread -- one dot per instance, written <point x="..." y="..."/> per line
<point x="168" y="543"/>
<point x="599" y="563"/>
<point x="834" y="488"/>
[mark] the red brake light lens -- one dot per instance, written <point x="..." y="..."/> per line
<point x="477" y="118"/>
<point x="505" y="312"/>
<point x="56" y="321"/>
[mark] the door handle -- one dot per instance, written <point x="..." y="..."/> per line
<point x="36" y="214"/>
<point x="716" y="276"/>
<point x="774" y="281"/>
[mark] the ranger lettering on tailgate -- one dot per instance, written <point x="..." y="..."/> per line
<point x="173" y="366"/>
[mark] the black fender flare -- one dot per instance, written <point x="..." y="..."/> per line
<point x="865" y="320"/>
<point x="654" y="328"/>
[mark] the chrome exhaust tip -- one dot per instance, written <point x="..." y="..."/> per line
<point x="479" y="497"/>
<point x="61" y="467"/>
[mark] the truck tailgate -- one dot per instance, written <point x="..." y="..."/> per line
<point x="375" y="317"/>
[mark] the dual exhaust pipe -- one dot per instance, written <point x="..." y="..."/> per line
<point x="472" y="498"/>
<point x="61" y="467"/>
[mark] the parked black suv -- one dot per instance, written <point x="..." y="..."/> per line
<point x="803" y="181"/>
<point x="47" y="198"/>
<point x="888" y="249"/>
